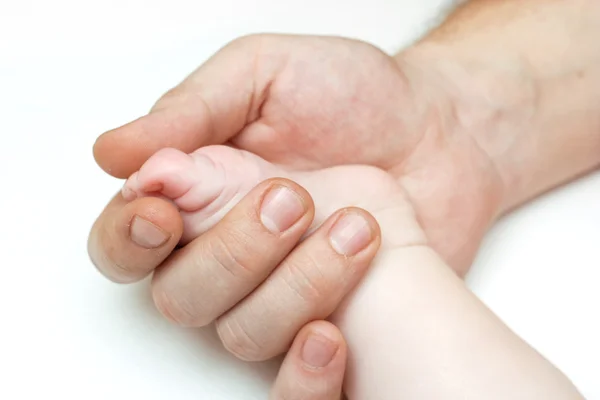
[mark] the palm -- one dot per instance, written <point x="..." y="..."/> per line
<point x="324" y="108"/>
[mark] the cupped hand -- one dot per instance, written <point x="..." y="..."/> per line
<point x="308" y="103"/>
<point x="260" y="287"/>
<point x="310" y="106"/>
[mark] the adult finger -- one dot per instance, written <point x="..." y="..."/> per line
<point x="215" y="271"/>
<point x="308" y="285"/>
<point x="129" y="240"/>
<point x="314" y="367"/>
<point x="212" y="105"/>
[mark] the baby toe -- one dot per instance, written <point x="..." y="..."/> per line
<point x="130" y="190"/>
<point x="169" y="172"/>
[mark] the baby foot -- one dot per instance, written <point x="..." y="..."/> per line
<point x="204" y="185"/>
<point x="208" y="183"/>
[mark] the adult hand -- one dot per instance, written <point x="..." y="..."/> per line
<point x="260" y="287"/>
<point x="307" y="103"/>
<point x="464" y="121"/>
<point x="469" y="122"/>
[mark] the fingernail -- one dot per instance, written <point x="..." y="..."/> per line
<point x="281" y="208"/>
<point x="350" y="234"/>
<point x="145" y="234"/>
<point x="318" y="351"/>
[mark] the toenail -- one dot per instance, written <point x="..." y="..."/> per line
<point x="281" y="208"/>
<point x="128" y="193"/>
<point x="147" y="235"/>
<point x="350" y="234"/>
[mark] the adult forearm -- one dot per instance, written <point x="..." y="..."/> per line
<point x="524" y="78"/>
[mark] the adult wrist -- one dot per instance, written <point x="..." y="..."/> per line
<point x="467" y="191"/>
<point x="523" y="83"/>
<point x="488" y="102"/>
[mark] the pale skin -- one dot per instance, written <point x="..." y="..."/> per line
<point x="451" y="133"/>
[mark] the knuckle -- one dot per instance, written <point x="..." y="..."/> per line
<point x="170" y="97"/>
<point x="247" y="40"/>
<point x="177" y="310"/>
<point x="250" y="45"/>
<point x="306" y="279"/>
<point x="295" y="389"/>
<point x="238" y="340"/>
<point x="227" y="255"/>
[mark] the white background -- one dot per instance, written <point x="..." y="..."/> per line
<point x="72" y="69"/>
